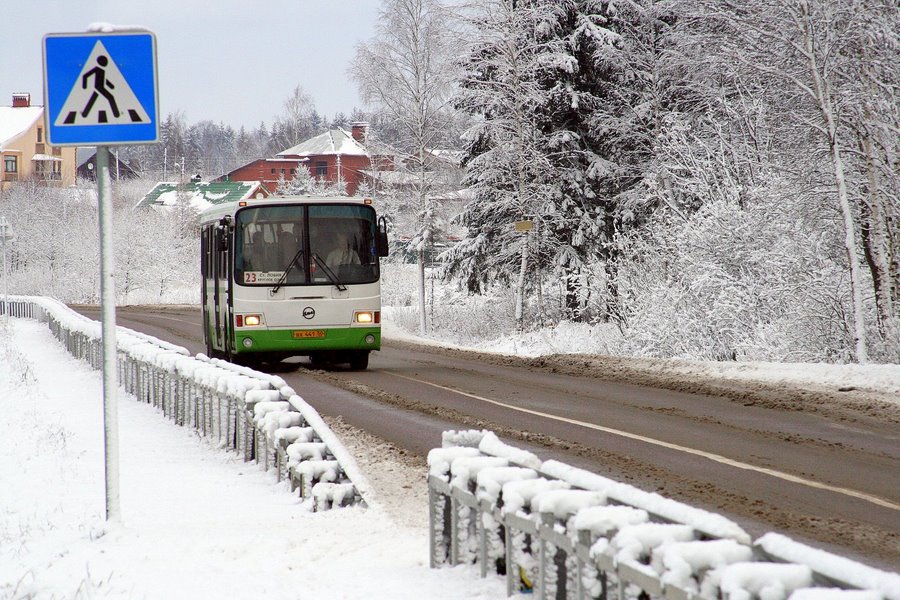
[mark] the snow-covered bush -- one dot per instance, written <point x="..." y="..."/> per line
<point x="19" y="370"/>
<point x="758" y="282"/>
<point x="56" y="252"/>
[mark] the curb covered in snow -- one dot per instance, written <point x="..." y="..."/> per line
<point x="563" y="532"/>
<point x="253" y="413"/>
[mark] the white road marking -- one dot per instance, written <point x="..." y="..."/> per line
<point x="194" y="323"/>
<point x="121" y="315"/>
<point x="709" y="455"/>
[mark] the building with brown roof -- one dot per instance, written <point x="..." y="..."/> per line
<point x="336" y="155"/>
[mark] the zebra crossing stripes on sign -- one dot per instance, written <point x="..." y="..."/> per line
<point x="100" y="88"/>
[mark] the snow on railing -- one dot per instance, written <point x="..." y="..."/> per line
<point x="565" y="533"/>
<point x="255" y="414"/>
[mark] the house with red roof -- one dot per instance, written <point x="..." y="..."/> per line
<point x="336" y="155"/>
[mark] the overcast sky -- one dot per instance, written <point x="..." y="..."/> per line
<point x="230" y="61"/>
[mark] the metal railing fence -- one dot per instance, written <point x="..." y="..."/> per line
<point x="251" y="413"/>
<point x="564" y="533"/>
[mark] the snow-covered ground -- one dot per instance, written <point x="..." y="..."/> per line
<point x="197" y="522"/>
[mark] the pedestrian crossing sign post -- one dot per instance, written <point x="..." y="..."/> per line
<point x="101" y="88"/>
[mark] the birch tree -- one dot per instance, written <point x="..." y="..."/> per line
<point x="406" y="72"/>
<point x="805" y="44"/>
<point x="299" y="121"/>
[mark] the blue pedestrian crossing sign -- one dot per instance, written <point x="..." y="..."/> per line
<point x="101" y="88"/>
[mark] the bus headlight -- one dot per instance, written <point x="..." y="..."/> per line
<point x="367" y="316"/>
<point x="370" y="339"/>
<point x="247" y="342"/>
<point x="252" y="320"/>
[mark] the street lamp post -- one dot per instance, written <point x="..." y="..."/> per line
<point x="5" y="234"/>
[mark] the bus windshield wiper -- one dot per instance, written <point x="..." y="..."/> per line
<point x="284" y="274"/>
<point x="329" y="273"/>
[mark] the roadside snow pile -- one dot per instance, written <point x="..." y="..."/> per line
<point x="580" y="348"/>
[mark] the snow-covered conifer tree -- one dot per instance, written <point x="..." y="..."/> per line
<point x="302" y="183"/>
<point x="538" y="75"/>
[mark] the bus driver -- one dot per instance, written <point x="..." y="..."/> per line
<point x="343" y="254"/>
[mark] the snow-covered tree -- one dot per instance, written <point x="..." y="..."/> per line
<point x="542" y="77"/>
<point x="589" y="120"/>
<point x="507" y="168"/>
<point x="818" y="49"/>
<point x="405" y="71"/>
<point x="302" y="183"/>
<point x="299" y="121"/>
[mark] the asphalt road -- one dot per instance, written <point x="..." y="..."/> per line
<point x="805" y="467"/>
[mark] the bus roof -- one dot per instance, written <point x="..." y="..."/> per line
<point x="214" y="213"/>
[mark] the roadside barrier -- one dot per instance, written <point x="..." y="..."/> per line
<point x="256" y="415"/>
<point x="564" y="533"/>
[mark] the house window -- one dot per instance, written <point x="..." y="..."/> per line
<point x="273" y="171"/>
<point x="40" y="137"/>
<point x="9" y="164"/>
<point x="293" y="171"/>
<point x="321" y="169"/>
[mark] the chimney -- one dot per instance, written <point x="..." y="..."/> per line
<point x="21" y="100"/>
<point x="358" y="130"/>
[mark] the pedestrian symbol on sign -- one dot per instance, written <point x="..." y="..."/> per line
<point x="100" y="85"/>
<point x="100" y="77"/>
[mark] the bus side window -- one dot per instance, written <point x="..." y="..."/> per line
<point x="203" y="253"/>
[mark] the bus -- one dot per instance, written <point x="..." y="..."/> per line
<point x="292" y="276"/>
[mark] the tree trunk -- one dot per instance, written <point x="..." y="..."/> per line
<point x="421" y="263"/>
<point x="520" y="286"/>
<point x="823" y="97"/>
<point x="859" y="317"/>
<point x="875" y="243"/>
<point x="573" y="306"/>
<point x="876" y="232"/>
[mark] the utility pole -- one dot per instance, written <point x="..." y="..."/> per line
<point x="5" y="234"/>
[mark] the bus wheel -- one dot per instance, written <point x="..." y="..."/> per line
<point x="359" y="360"/>
<point x="318" y="361"/>
<point x="252" y="361"/>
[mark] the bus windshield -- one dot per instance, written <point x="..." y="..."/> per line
<point x="328" y="244"/>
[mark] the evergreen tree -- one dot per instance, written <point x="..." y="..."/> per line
<point x="537" y="77"/>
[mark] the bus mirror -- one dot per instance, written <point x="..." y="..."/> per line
<point x="381" y="240"/>
<point x="221" y="239"/>
<point x="222" y="233"/>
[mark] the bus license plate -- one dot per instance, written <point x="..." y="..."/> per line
<point x="309" y="333"/>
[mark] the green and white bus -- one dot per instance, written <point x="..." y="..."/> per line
<point x="292" y="276"/>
